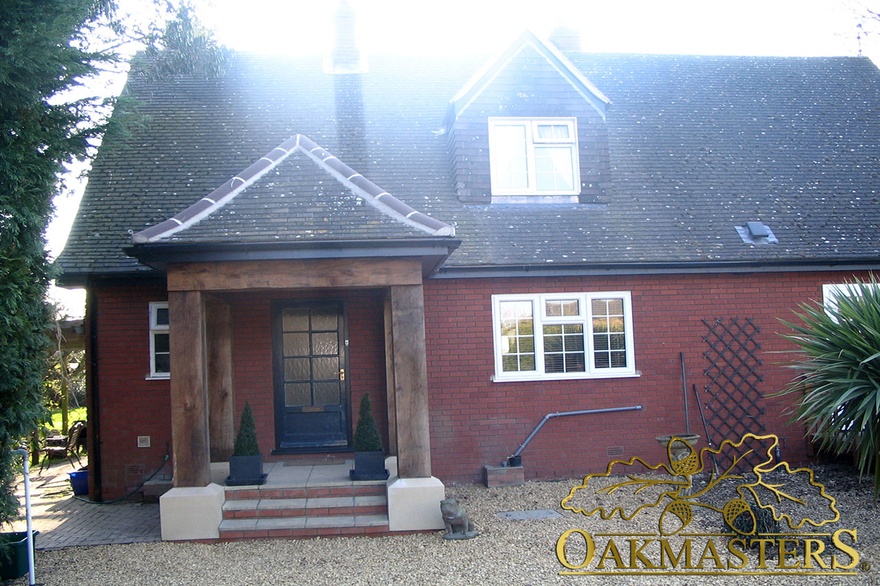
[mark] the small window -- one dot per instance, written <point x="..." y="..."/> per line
<point x="559" y="336"/>
<point x="160" y="347"/>
<point x="530" y="157"/>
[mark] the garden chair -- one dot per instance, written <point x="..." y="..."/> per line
<point x="67" y="449"/>
<point x="82" y="443"/>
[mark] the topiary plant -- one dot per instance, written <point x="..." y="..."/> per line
<point x="246" y="440"/>
<point x="366" y="436"/>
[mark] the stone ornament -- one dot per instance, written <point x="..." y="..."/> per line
<point x="458" y="525"/>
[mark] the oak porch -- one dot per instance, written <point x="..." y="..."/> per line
<point x="201" y="352"/>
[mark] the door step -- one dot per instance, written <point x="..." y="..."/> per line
<point x="303" y="512"/>
<point x="311" y="507"/>
<point x="303" y="527"/>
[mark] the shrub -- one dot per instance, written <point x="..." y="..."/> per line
<point x="246" y="440"/>
<point x="366" y="436"/>
<point x="839" y="380"/>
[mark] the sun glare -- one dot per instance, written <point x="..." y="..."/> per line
<point x="749" y="27"/>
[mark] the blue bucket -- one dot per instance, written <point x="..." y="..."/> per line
<point x="80" y="482"/>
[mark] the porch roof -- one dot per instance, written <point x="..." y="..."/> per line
<point x="297" y="201"/>
<point x="297" y="191"/>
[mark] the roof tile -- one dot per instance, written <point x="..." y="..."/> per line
<point x="697" y="145"/>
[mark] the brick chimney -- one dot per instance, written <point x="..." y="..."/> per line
<point x="347" y="64"/>
<point x="345" y="56"/>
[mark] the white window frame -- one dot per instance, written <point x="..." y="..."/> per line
<point x="831" y="292"/>
<point x="531" y="191"/>
<point x="157" y="328"/>
<point x="585" y="317"/>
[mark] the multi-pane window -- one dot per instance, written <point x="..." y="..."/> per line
<point x="578" y="335"/>
<point x="536" y="156"/>
<point x="160" y="347"/>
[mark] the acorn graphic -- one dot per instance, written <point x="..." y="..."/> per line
<point x="683" y="459"/>
<point x="740" y="517"/>
<point x="676" y="516"/>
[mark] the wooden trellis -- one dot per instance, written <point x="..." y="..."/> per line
<point x="733" y="401"/>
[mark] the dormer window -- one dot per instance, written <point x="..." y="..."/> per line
<point x="534" y="157"/>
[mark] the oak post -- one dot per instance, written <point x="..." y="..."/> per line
<point x="390" y="397"/>
<point x="189" y="393"/>
<point x="410" y="381"/>
<point x="218" y="329"/>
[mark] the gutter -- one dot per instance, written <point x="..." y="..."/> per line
<point x="159" y="255"/>
<point x="702" y="267"/>
<point x="243" y="250"/>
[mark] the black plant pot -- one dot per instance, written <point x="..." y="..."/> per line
<point x="369" y="466"/>
<point x="245" y="470"/>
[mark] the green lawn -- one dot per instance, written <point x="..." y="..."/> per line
<point x="72" y="415"/>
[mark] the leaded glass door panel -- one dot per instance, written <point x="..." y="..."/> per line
<point x="311" y="391"/>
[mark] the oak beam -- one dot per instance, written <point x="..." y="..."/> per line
<point x="410" y="381"/>
<point x="293" y="274"/>
<point x="218" y="329"/>
<point x="189" y="393"/>
<point x="390" y="394"/>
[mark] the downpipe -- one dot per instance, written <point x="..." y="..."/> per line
<point x="549" y="416"/>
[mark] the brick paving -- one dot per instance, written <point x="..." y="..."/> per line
<point x="64" y="520"/>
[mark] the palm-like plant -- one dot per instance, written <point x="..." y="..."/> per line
<point x="840" y="374"/>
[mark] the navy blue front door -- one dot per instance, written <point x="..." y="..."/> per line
<point x="311" y="391"/>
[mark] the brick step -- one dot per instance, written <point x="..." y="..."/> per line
<point x="351" y="509"/>
<point x="305" y="492"/>
<point x="303" y="527"/>
<point x="353" y="506"/>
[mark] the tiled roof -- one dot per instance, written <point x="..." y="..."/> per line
<point x="275" y="197"/>
<point x="528" y="41"/>
<point x="698" y="146"/>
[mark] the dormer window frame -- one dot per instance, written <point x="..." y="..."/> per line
<point x="532" y="144"/>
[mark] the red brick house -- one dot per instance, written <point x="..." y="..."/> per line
<point x="478" y="246"/>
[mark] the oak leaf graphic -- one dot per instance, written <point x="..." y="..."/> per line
<point x="791" y="494"/>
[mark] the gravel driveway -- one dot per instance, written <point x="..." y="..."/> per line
<point x="509" y="550"/>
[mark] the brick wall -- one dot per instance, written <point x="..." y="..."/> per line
<point x="476" y="422"/>
<point x="129" y="404"/>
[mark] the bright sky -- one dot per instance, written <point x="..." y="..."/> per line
<point x="753" y="27"/>
<point x="438" y="27"/>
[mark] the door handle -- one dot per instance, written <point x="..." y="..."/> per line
<point x="341" y="374"/>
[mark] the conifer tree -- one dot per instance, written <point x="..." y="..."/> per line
<point x="43" y="54"/>
<point x="46" y="49"/>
